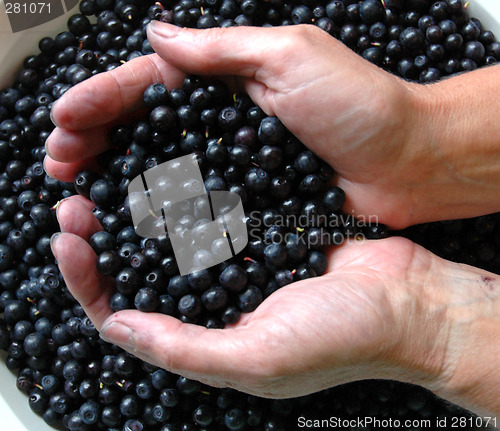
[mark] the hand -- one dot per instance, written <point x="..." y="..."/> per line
<point x="307" y="336"/>
<point x="385" y="309"/>
<point x="354" y="115"/>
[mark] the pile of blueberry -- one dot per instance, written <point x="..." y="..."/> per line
<point x="76" y="381"/>
<point x="290" y="213"/>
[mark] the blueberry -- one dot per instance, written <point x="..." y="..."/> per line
<point x="111" y="416"/>
<point x="103" y="193"/>
<point x="306" y="163"/>
<point x="240" y="155"/>
<point x="230" y="315"/>
<point x="309" y="185"/>
<point x="90" y="412"/>
<point x="169" y="397"/>
<point x="38" y="401"/>
<point x="21" y="330"/>
<point x="235" y="419"/>
<point x="73" y="371"/>
<point x="215" y="298"/>
<point x="6" y="257"/>
<point x="15" y="311"/>
<point x="108" y="262"/>
<point x="203" y="415"/>
<point x="200" y="280"/>
<point x="50" y="384"/>
<point x="304" y="272"/>
<point x="178" y="286"/>
<point x="318" y="261"/>
<point x="130" y="406"/>
<point x="276" y="254"/>
<point x="230" y="118"/>
<point x="162" y="118"/>
<point x="371" y="11"/>
<point x="412" y="38"/>
<point x="334" y="199"/>
<point x="257" y="179"/>
<point x="215" y="183"/>
<point x="44" y="326"/>
<point x="187" y="386"/>
<point x="233" y="278"/>
<point x="132" y="166"/>
<point x="270" y="157"/>
<point x="302" y="15"/>
<point x="249" y="299"/>
<point x="124" y="364"/>
<point x="27" y="200"/>
<point x="475" y="51"/>
<point x="144" y="389"/>
<point x="190" y="305"/>
<point x="470" y="31"/>
<point x="296" y="247"/>
<point x="102" y="241"/>
<point x="271" y="131"/>
<point x="146" y="299"/>
<point x="156" y="95"/>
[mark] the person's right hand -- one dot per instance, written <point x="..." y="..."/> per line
<point x="363" y="121"/>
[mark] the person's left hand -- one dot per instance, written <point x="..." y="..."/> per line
<point x="354" y="322"/>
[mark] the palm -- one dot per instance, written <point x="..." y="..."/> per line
<point x="345" y="317"/>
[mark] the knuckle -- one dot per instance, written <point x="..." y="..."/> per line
<point x="143" y="343"/>
<point x="309" y="35"/>
<point x="208" y="37"/>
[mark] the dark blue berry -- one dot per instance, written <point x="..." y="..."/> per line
<point x="156" y="95"/>
<point x="189" y="305"/>
<point x="102" y="241"/>
<point x="233" y="278"/>
<point x="146" y="299"/>
<point x="235" y="419"/>
<point x="249" y="299"/>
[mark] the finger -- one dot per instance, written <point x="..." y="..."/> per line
<point x="77" y="263"/>
<point x="68" y="171"/>
<point x="261" y="57"/>
<point x="246" y="51"/>
<point x="362" y="197"/>
<point x="106" y="96"/>
<point x="75" y="216"/>
<point x="71" y="146"/>
<point x="190" y="350"/>
<point x="78" y="198"/>
<point x="211" y="51"/>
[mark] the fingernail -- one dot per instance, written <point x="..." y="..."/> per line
<point x="53" y="240"/>
<point x="52" y="113"/>
<point x="118" y="333"/>
<point x="47" y="152"/>
<point x="59" y="204"/>
<point x="163" y="29"/>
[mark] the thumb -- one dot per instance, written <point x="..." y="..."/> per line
<point x="265" y="59"/>
<point x="182" y="348"/>
<point x="216" y="51"/>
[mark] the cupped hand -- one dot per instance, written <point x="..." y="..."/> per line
<point x="354" y="322"/>
<point x="353" y="114"/>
